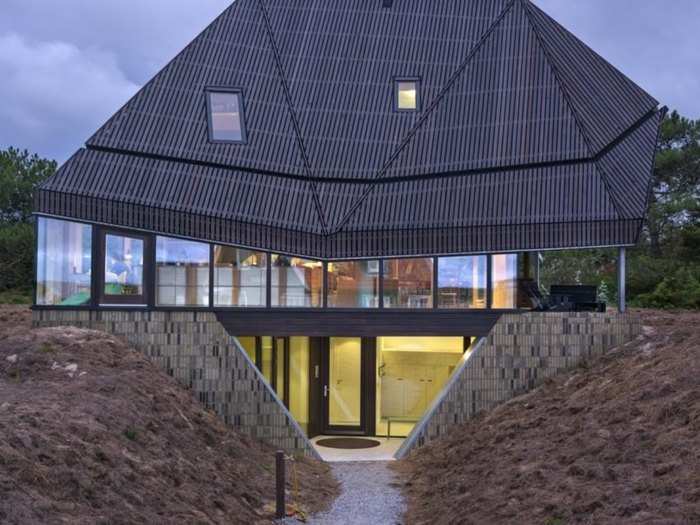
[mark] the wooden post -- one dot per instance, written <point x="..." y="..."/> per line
<point x="281" y="505"/>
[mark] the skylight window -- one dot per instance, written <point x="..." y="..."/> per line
<point x="226" y="118"/>
<point x="407" y="94"/>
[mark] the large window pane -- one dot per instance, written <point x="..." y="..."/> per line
<point x="299" y="356"/>
<point x="182" y="272"/>
<point x="504" y="280"/>
<point x="296" y="282"/>
<point x="240" y="277"/>
<point x="353" y="284"/>
<point x="250" y="347"/>
<point x="411" y="373"/>
<point x="266" y="357"/>
<point x="462" y="282"/>
<point x="408" y="283"/>
<point x="345" y="382"/>
<point x="64" y="263"/>
<point x="123" y="277"/>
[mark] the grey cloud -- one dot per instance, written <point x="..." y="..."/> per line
<point x="102" y="50"/>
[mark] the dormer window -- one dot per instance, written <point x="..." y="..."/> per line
<point x="226" y="117"/>
<point x="407" y="94"/>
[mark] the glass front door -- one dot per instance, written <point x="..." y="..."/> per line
<point x="343" y="385"/>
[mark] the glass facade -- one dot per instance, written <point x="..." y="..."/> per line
<point x="408" y="283"/>
<point x="299" y="356"/>
<point x="504" y="280"/>
<point x="353" y="284"/>
<point x="240" y="277"/>
<point x="182" y="272"/>
<point x="462" y="282"/>
<point x="296" y="283"/>
<point x="411" y="372"/>
<point x="123" y="267"/>
<point x="345" y="381"/>
<point x="64" y="263"/>
<point x="250" y="347"/>
<point x="188" y="273"/>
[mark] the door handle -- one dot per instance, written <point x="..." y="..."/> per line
<point x="325" y="390"/>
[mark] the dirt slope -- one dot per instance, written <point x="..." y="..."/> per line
<point x="91" y="432"/>
<point x="617" y="441"/>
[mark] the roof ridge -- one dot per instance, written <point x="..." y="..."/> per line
<point x="567" y="97"/>
<point x="295" y="121"/>
<point x="424" y="117"/>
<point x="525" y="4"/>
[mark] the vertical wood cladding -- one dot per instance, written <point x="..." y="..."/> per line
<point x="525" y="138"/>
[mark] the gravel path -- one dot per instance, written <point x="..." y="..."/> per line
<point x="369" y="496"/>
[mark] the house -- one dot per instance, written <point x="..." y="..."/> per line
<point x="356" y="190"/>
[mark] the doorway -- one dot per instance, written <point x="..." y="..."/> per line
<point x="346" y="403"/>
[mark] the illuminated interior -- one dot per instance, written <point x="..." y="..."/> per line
<point x="407" y="96"/>
<point x="344" y="385"/>
<point x="411" y="372"/>
<point x="505" y="280"/>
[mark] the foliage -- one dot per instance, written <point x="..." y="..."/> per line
<point x="20" y="174"/>
<point x="681" y="289"/>
<point x="16" y="257"/>
<point x="663" y="271"/>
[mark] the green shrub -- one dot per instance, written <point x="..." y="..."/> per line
<point x="680" y="289"/>
<point x="16" y="259"/>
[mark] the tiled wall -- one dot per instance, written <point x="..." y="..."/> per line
<point x="519" y="353"/>
<point x="196" y="350"/>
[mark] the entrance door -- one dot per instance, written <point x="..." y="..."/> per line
<point x="348" y="385"/>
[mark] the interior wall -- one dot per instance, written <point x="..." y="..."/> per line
<point x="411" y="372"/>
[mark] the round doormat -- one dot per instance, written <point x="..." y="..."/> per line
<point x="348" y="443"/>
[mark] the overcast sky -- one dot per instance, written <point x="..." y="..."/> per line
<point x="68" y="65"/>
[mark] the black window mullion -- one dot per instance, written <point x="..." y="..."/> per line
<point x="150" y="271"/>
<point x="268" y="283"/>
<point x="211" y="276"/>
<point x="325" y="285"/>
<point x="381" y="283"/>
<point x="97" y="266"/>
<point x="489" y="283"/>
<point x="435" y="282"/>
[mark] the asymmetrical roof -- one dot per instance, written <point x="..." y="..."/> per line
<point x="525" y="139"/>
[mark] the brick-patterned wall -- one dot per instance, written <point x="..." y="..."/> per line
<point x="517" y="355"/>
<point x="195" y="348"/>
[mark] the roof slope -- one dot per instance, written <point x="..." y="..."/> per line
<point x="521" y="124"/>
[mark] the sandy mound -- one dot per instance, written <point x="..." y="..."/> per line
<point x="616" y="441"/>
<point x="92" y="432"/>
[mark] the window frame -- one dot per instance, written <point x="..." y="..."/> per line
<point x="105" y="299"/>
<point x="322" y="304"/>
<point x="266" y="288"/>
<point x="208" y="91"/>
<point x="372" y="273"/>
<point x="419" y="97"/>
<point x="156" y="282"/>
<point x="397" y="307"/>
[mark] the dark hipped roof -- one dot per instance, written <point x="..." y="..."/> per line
<point x="526" y="139"/>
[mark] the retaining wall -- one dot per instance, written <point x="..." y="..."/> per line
<point x="519" y="353"/>
<point x="195" y="348"/>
